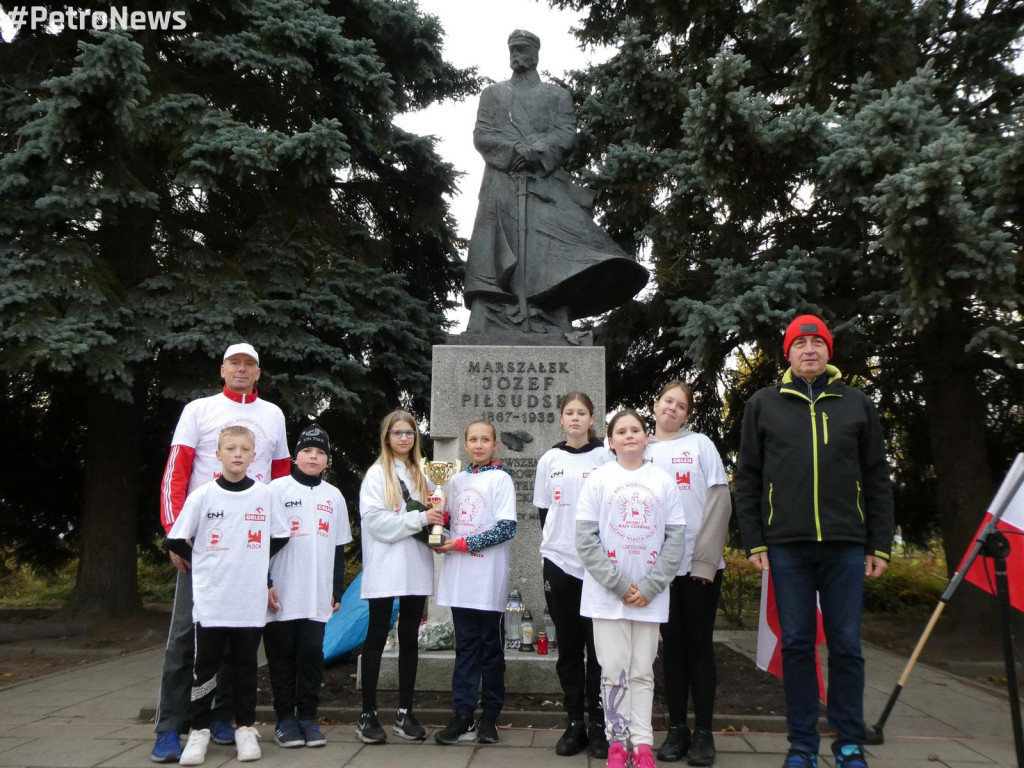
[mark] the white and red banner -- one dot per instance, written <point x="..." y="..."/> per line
<point x="769" y="635"/>
<point x="982" y="573"/>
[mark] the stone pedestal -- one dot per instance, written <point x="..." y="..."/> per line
<point x="518" y="389"/>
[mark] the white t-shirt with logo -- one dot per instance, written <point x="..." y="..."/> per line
<point x="695" y="464"/>
<point x="397" y="568"/>
<point x="303" y="572"/>
<point x="202" y="420"/>
<point x="231" y="533"/>
<point x="560" y="475"/>
<point x="476" y="502"/>
<point x="631" y="508"/>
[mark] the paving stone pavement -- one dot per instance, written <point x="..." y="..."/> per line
<point x="89" y="716"/>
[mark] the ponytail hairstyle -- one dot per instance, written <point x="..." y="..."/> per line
<point x="392" y="488"/>
<point x="584" y="398"/>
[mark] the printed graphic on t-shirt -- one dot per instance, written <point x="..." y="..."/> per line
<point x="471" y="505"/>
<point x="634" y="516"/>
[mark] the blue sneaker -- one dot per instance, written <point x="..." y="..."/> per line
<point x="287" y="734"/>
<point x="851" y="756"/>
<point x="222" y="732"/>
<point x="798" y="759"/>
<point x="167" y="748"/>
<point x="311" y="733"/>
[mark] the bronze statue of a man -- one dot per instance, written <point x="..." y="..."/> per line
<point x="537" y="261"/>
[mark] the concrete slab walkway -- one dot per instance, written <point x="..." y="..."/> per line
<point x="89" y="717"/>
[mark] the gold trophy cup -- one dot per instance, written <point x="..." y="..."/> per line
<point x="439" y="473"/>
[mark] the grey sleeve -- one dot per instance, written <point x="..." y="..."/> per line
<point x="667" y="564"/>
<point x="595" y="559"/>
<point x="707" y="549"/>
<point x="388" y="527"/>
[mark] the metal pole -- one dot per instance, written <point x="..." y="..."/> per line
<point x="875" y="734"/>
<point x="997" y="547"/>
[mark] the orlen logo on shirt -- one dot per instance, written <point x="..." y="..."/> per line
<point x="294" y="525"/>
<point x="255" y="540"/>
<point x="557" y="496"/>
<point x="256" y="514"/>
<point x="323" y="527"/>
<point x="685" y="458"/>
<point x="683" y="480"/>
<point x="327" y="507"/>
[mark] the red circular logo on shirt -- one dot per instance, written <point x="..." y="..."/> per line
<point x="469" y="507"/>
<point x="634" y="513"/>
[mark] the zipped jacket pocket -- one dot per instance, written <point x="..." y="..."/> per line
<point x="771" y="507"/>
<point x="859" y="507"/>
<point x="824" y="426"/>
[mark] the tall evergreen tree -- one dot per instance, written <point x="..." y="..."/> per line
<point x="858" y="159"/>
<point x="165" y="193"/>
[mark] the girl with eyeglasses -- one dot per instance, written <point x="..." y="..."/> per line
<point x="393" y="509"/>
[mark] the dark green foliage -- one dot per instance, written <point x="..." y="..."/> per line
<point x="860" y="160"/>
<point x="163" y="194"/>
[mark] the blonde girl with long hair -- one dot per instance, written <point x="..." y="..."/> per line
<point x="393" y="510"/>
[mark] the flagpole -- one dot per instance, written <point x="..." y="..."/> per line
<point x="875" y="734"/>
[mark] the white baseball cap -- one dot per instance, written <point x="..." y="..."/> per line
<point x="242" y="349"/>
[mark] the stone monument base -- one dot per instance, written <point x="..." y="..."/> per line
<point x="524" y="672"/>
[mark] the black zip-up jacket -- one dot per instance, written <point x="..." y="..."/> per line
<point x="812" y="467"/>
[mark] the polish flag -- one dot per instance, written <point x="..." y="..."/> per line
<point x="982" y="571"/>
<point x="769" y="635"/>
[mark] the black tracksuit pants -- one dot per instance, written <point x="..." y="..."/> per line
<point x="240" y="645"/>
<point x="295" y="657"/>
<point x="580" y="677"/>
<point x="689" y="649"/>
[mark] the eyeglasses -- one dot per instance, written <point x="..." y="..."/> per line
<point x="402" y="433"/>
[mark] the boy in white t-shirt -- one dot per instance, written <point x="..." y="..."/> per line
<point x="306" y="582"/>
<point x="226" y="532"/>
<point x="474" y="581"/>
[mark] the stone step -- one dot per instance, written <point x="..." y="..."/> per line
<point x="524" y="672"/>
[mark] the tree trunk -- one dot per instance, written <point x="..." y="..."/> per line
<point x="956" y="426"/>
<point x="107" y="583"/>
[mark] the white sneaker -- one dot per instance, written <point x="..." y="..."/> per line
<point x="195" y="750"/>
<point x="247" y="743"/>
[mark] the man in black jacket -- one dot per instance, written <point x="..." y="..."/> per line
<point x="814" y="503"/>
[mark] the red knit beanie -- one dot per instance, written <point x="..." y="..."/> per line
<point x="807" y="325"/>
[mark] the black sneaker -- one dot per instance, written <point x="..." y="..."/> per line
<point x="407" y="727"/>
<point x="368" y="729"/>
<point x="573" y="740"/>
<point x="598" y="746"/>
<point x="702" y="748"/>
<point x="676" y="744"/>
<point x="458" y="729"/>
<point x="487" y="732"/>
<point x="288" y="735"/>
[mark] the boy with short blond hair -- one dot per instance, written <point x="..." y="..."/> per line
<point x="224" y="530"/>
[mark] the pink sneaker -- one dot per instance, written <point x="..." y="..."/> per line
<point x="642" y="757"/>
<point x="618" y="757"/>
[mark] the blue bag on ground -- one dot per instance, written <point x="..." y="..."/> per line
<point x="347" y="628"/>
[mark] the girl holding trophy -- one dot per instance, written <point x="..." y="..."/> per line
<point x="560" y="475"/>
<point x="474" y="582"/>
<point x="395" y="564"/>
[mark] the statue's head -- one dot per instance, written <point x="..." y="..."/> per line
<point x="523" y="50"/>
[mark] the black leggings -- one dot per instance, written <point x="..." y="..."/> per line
<point x="689" y="649"/>
<point x="577" y="667"/>
<point x="410" y="611"/>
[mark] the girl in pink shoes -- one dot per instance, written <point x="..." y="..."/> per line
<point x="560" y="475"/>
<point x="474" y="582"/>
<point x="630" y="535"/>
